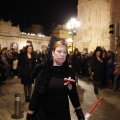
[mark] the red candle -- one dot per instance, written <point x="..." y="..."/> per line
<point x="95" y="105"/>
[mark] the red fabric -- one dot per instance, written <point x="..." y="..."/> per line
<point x="68" y="80"/>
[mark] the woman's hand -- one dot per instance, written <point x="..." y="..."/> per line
<point x="30" y="115"/>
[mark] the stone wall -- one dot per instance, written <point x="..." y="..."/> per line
<point x="94" y="16"/>
<point x="115" y="18"/>
<point x="11" y="34"/>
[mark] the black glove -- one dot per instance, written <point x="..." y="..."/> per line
<point x="29" y="116"/>
<point x="80" y="114"/>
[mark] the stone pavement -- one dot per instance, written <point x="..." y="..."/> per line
<point x="107" y="109"/>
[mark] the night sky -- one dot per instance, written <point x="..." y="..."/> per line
<point x="45" y="12"/>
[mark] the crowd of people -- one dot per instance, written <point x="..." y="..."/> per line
<point x="11" y="59"/>
<point x="99" y="66"/>
<point x="10" y="64"/>
<point x="55" y="74"/>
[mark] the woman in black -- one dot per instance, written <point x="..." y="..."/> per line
<point x="76" y="62"/>
<point x="54" y="84"/>
<point x="97" y="68"/>
<point x="27" y="65"/>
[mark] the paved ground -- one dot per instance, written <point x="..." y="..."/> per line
<point x="108" y="108"/>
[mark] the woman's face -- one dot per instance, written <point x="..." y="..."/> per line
<point x="29" y="49"/>
<point x="59" y="55"/>
<point x="98" y="53"/>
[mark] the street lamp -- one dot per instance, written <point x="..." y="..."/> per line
<point x="72" y="26"/>
<point x="69" y="41"/>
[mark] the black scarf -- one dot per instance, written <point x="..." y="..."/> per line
<point x="43" y="72"/>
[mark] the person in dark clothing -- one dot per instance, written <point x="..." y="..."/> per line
<point x="53" y="85"/>
<point x="27" y="66"/>
<point x="97" y="67"/>
<point x="43" y="55"/>
<point x="110" y="69"/>
<point x="20" y="58"/>
<point x="76" y="62"/>
<point x="38" y="57"/>
<point x="116" y="77"/>
<point x="2" y="77"/>
<point x="6" y="67"/>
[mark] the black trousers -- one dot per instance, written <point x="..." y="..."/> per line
<point x="96" y="86"/>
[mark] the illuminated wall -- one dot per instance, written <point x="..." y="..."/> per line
<point x="94" y="30"/>
<point x="11" y="34"/>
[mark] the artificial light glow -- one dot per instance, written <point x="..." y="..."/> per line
<point x="32" y="34"/>
<point x="40" y="35"/>
<point x="70" y="32"/>
<point x="69" y="40"/>
<point x="23" y="33"/>
<point x="73" y="24"/>
<point x="68" y="25"/>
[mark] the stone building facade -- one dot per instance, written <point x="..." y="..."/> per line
<point x="94" y="16"/>
<point x="115" y="18"/>
<point x="12" y="37"/>
<point x="61" y="31"/>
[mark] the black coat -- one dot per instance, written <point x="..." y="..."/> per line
<point x="76" y="62"/>
<point x="26" y="68"/>
<point x="98" y="68"/>
<point x="54" y="104"/>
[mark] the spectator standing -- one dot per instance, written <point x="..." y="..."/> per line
<point x="116" y="78"/>
<point x="110" y="70"/>
<point x="27" y="66"/>
<point x="6" y="67"/>
<point x="97" y="68"/>
<point x="38" y="57"/>
<point x="76" y="62"/>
